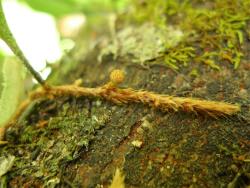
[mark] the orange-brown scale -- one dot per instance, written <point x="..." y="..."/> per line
<point x="111" y="92"/>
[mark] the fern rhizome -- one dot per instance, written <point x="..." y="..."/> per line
<point x="113" y="93"/>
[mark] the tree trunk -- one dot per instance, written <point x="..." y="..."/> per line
<point x="81" y="141"/>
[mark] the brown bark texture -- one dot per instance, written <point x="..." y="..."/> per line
<point x="81" y="141"/>
<point x="77" y="141"/>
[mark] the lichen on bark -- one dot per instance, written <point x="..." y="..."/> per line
<point x="81" y="141"/>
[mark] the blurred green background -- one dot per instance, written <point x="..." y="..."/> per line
<point x="47" y="29"/>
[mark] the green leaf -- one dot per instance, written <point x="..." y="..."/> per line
<point x="59" y="8"/>
<point x="56" y="8"/>
<point x="12" y="85"/>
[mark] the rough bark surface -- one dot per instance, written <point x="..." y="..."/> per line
<point x="80" y="142"/>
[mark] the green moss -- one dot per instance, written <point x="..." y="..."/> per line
<point x="44" y="151"/>
<point x="180" y="55"/>
<point x="146" y="42"/>
<point x="214" y="31"/>
<point x="150" y="10"/>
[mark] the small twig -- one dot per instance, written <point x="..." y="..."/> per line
<point x="34" y="73"/>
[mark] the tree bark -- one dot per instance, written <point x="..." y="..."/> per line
<point x="81" y="141"/>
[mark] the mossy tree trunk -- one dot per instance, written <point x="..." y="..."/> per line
<point x="80" y="141"/>
<point x="83" y="140"/>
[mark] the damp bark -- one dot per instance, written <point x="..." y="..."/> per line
<point x="81" y="141"/>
